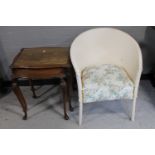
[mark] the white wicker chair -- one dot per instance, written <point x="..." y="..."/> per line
<point x="106" y="46"/>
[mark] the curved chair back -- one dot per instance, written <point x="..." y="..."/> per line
<point x="107" y="46"/>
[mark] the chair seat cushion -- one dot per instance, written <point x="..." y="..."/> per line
<point x="106" y="82"/>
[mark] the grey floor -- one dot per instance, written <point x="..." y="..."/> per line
<point x="47" y="111"/>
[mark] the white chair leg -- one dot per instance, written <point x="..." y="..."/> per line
<point x="80" y="112"/>
<point x="133" y="109"/>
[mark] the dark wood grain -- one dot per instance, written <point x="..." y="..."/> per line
<point x="44" y="57"/>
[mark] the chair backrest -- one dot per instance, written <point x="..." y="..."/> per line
<point x="106" y="46"/>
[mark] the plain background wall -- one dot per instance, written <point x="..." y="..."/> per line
<point x="12" y="39"/>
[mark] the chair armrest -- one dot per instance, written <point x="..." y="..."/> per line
<point x="79" y="83"/>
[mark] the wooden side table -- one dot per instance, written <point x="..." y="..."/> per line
<point x="43" y="63"/>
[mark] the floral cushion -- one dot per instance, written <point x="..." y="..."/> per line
<point x="106" y="82"/>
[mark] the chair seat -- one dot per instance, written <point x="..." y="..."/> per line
<point x="106" y="82"/>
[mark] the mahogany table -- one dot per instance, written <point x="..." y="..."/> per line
<point x="43" y="63"/>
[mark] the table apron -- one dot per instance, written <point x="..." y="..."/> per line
<point x="38" y="73"/>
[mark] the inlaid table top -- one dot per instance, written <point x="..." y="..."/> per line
<point x="42" y="58"/>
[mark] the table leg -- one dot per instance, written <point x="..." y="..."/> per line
<point x="32" y="88"/>
<point x="64" y="91"/>
<point x="69" y="88"/>
<point x="20" y="97"/>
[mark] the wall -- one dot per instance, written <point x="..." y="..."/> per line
<point x="12" y="39"/>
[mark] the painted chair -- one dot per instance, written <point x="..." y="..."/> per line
<point x="108" y="66"/>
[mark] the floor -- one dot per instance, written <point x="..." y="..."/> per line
<point x="46" y="112"/>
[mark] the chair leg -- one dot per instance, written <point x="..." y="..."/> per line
<point x="133" y="109"/>
<point x="80" y="112"/>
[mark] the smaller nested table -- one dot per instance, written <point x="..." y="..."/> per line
<point x="43" y="63"/>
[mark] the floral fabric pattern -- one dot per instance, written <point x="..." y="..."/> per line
<point x="106" y="82"/>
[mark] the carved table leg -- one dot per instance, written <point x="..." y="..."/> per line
<point x="64" y="90"/>
<point x="20" y="97"/>
<point x="69" y="88"/>
<point x="32" y="88"/>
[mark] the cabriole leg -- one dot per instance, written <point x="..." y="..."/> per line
<point x="20" y="97"/>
